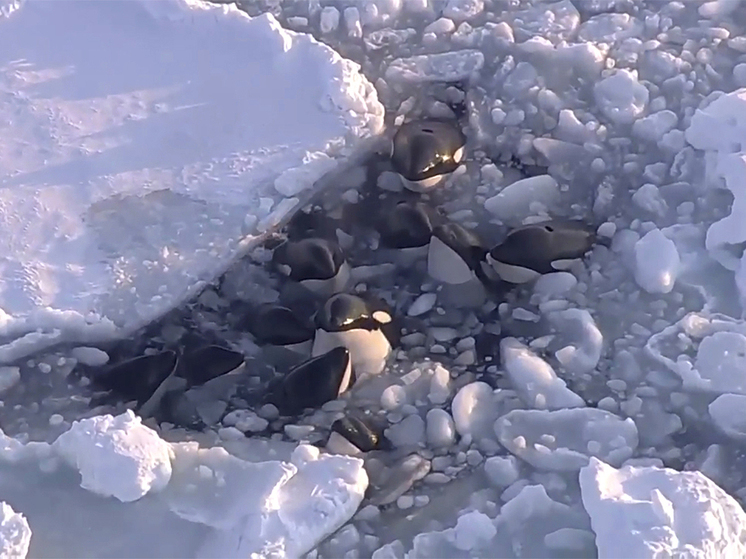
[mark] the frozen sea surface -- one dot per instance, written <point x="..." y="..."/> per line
<point x="137" y="165"/>
<point x="533" y="422"/>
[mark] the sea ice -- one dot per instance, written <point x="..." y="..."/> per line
<point x="564" y="440"/>
<point x="534" y="379"/>
<point x="621" y="97"/>
<point x="657" y="262"/>
<point x="719" y="129"/>
<point x="117" y="456"/>
<point x="555" y="21"/>
<point x="443" y="67"/>
<point x="476" y="407"/>
<point x="514" y="202"/>
<point x="15" y="534"/>
<point x="502" y="471"/>
<point x="577" y="328"/>
<point x="647" y="512"/>
<point x="177" y="140"/>
<point x="728" y="411"/>
<point x="440" y="429"/>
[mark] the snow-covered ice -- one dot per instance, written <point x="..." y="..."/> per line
<point x="117" y="456"/>
<point x="136" y="166"/>
<point x="651" y="512"/>
<point x="15" y="534"/>
<point x="534" y="379"/>
<point x="272" y="508"/>
<point x="564" y="440"/>
<point x="657" y="262"/>
<point x="132" y="167"/>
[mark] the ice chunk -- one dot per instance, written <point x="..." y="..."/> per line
<point x="9" y="377"/>
<point x="522" y="525"/>
<point x="621" y="97"/>
<point x="329" y="19"/>
<point x="91" y="356"/>
<point x="473" y="529"/>
<point x="443" y="67"/>
<point x="657" y="262"/>
<point x="718" y="9"/>
<point x="728" y="411"/>
<point x="323" y="494"/>
<point x="554" y="21"/>
<point x="551" y="286"/>
<point x="652" y="128"/>
<point x="609" y="28"/>
<point x="117" y="456"/>
<point x="15" y="534"/>
<point x="570" y="129"/>
<point x="514" y="202"/>
<point x="440" y="428"/>
<point x="651" y="512"/>
<point x="212" y="487"/>
<point x="408" y="432"/>
<point x="170" y="202"/>
<point x="721" y="361"/>
<point x="502" y="471"/>
<point x="462" y="10"/>
<point x="648" y="197"/>
<point x="422" y="304"/>
<point x="586" y="341"/>
<point x="474" y="410"/>
<point x="534" y="379"/>
<point x="564" y="440"/>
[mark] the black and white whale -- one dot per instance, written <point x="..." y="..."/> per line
<point x="353" y="436"/>
<point x="406" y="229"/>
<point x="275" y="325"/>
<point x="540" y="248"/>
<point x="317" y="264"/>
<point x="149" y="378"/>
<point x="314" y="382"/>
<point x="424" y="151"/>
<point x="141" y="379"/>
<point x="454" y="254"/>
<point x="350" y="321"/>
<point x="201" y="365"/>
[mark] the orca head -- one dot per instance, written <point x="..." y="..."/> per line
<point x="407" y="226"/>
<point x="274" y="324"/>
<point x="308" y="259"/>
<point x="345" y="311"/>
<point x="137" y="378"/>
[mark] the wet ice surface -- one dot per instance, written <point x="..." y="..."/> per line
<point x="537" y="422"/>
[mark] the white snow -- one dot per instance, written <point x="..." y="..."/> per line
<point x="15" y="534"/>
<point x="651" y="512"/>
<point x="132" y="166"/>
<point x="117" y="456"/>
<point x="237" y="508"/>
<point x="135" y="166"/>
